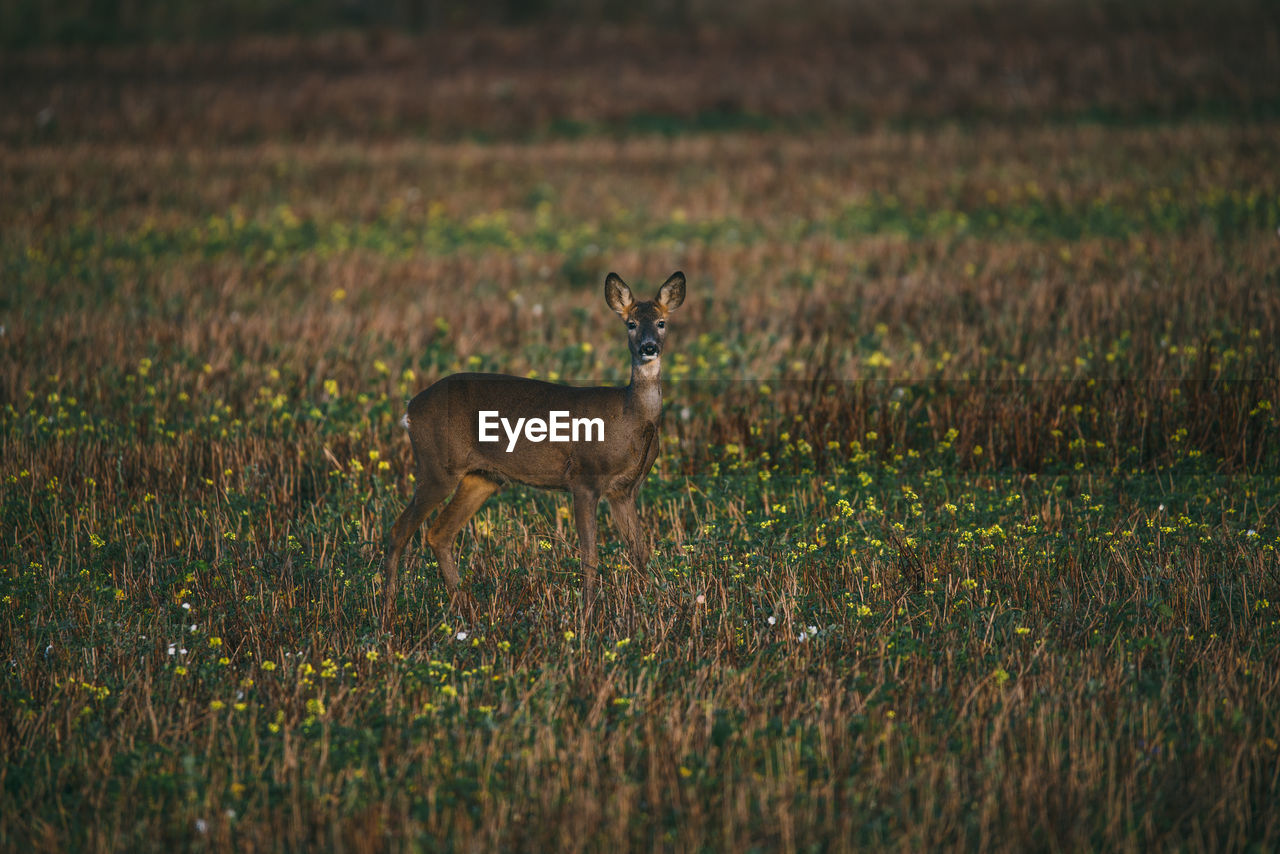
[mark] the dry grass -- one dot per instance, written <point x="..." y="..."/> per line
<point x="965" y="523"/>
<point x="913" y="63"/>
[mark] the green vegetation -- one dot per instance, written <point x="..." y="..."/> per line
<point x="965" y="522"/>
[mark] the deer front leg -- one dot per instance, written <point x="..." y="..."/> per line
<point x="627" y="520"/>
<point x="585" y="503"/>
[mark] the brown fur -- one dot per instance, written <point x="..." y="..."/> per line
<point x="443" y="423"/>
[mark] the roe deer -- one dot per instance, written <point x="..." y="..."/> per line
<point x="453" y="426"/>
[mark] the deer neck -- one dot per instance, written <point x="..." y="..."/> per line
<point x="644" y="394"/>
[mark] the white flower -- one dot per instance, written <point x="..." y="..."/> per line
<point x="1160" y="509"/>
<point x="193" y="628"/>
<point x="186" y="606"/>
<point x="173" y="647"/>
<point x="802" y="637"/>
<point x="462" y="635"/>
<point x="813" y="630"/>
<point x="1251" y="533"/>
<point x="202" y="826"/>
<point x="182" y="651"/>
<point x="701" y="599"/>
<point x="773" y="620"/>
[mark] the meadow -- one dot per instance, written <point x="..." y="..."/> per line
<point x="965" y="519"/>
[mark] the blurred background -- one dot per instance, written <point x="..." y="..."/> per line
<point x="113" y="69"/>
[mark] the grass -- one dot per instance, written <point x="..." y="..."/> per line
<point x="965" y="519"/>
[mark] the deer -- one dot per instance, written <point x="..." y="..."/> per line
<point x="458" y="449"/>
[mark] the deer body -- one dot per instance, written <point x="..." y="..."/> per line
<point x="444" y="424"/>
<point x="620" y="459"/>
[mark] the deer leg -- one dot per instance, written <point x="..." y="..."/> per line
<point x="627" y="520"/>
<point x="472" y="492"/>
<point x="432" y="489"/>
<point x="585" y="503"/>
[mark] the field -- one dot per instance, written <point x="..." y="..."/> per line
<point x="966" y="515"/>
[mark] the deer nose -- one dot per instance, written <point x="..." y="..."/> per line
<point x="648" y="348"/>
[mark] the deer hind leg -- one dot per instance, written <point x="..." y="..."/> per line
<point x="622" y="507"/>
<point x="585" y="503"/>
<point x="432" y="489"/>
<point x="472" y="492"/>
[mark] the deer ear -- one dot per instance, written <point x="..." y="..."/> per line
<point x="617" y="294"/>
<point x="671" y="294"/>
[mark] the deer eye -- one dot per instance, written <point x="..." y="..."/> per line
<point x="631" y="324"/>
<point x="662" y="324"/>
